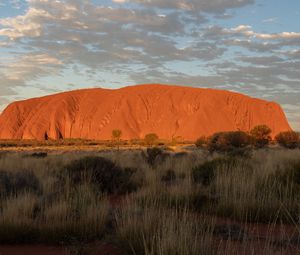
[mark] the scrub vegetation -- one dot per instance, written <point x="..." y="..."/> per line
<point x="154" y="201"/>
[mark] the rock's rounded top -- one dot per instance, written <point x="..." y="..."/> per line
<point x="167" y="110"/>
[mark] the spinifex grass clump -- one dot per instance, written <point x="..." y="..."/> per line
<point x="42" y="209"/>
<point x="157" y="230"/>
<point x="247" y="190"/>
<point x="81" y="217"/>
<point x="17" y="219"/>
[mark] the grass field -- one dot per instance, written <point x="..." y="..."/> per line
<point x="153" y="201"/>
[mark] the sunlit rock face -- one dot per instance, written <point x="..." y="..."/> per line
<point x="168" y="111"/>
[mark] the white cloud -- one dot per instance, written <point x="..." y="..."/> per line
<point x="283" y="35"/>
<point x="26" y="25"/>
<point x="248" y="32"/>
<point x="241" y="28"/>
<point x="31" y="66"/>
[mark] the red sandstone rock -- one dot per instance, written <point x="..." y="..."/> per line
<point x="165" y="110"/>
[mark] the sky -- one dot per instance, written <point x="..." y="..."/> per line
<point x="248" y="46"/>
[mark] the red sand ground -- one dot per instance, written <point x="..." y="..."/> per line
<point x="168" y="111"/>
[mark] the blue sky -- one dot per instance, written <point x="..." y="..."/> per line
<point x="248" y="46"/>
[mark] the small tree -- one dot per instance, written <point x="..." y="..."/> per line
<point x="261" y="135"/>
<point x="116" y="136"/>
<point x="151" y="139"/>
<point x="288" y="139"/>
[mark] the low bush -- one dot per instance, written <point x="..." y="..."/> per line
<point x="18" y="182"/>
<point x="39" y="155"/>
<point x="206" y="172"/>
<point x="169" y="176"/>
<point x="103" y="174"/>
<point x="180" y="155"/>
<point x="201" y="142"/>
<point x="155" y="155"/>
<point x="289" y="139"/>
<point x="233" y="143"/>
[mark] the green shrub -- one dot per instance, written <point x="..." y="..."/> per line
<point x="103" y="174"/>
<point x="288" y="139"/>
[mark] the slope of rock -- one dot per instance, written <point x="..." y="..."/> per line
<point x="137" y="110"/>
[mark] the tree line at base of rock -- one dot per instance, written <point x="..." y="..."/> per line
<point x="258" y="137"/>
<point x="149" y="139"/>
